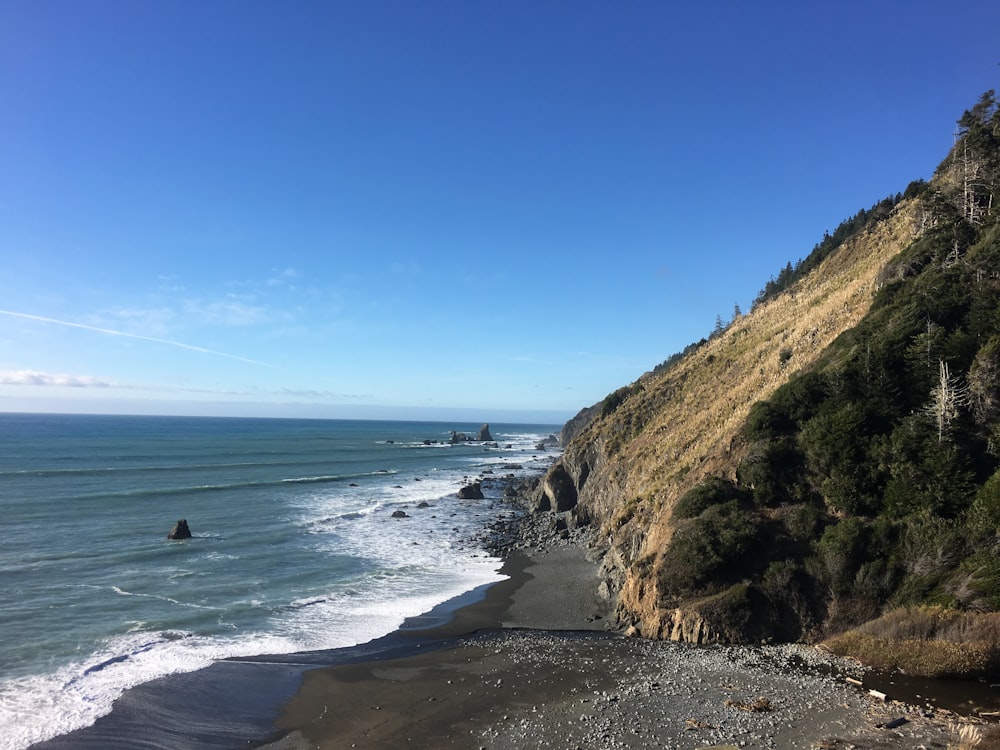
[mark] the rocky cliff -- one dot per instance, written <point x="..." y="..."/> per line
<point x="633" y="457"/>
<point x="674" y="429"/>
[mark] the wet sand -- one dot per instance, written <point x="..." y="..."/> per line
<point x="531" y="665"/>
<point x="526" y="662"/>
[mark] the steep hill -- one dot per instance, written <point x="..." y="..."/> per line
<point x="829" y="455"/>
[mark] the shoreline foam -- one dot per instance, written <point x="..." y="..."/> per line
<point x="522" y="662"/>
<point x="507" y="684"/>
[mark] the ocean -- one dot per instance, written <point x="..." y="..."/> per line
<point x="294" y="545"/>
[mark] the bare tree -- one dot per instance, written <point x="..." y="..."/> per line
<point x="947" y="399"/>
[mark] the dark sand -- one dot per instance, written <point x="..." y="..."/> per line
<point x="523" y="663"/>
<point x="552" y="677"/>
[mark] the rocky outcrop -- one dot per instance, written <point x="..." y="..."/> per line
<point x="484" y="435"/>
<point x="579" y="423"/>
<point x="472" y="491"/>
<point x="557" y="490"/>
<point x="180" y="530"/>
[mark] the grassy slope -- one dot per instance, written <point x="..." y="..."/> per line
<point x="678" y="427"/>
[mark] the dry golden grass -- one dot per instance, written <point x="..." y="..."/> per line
<point x="975" y="737"/>
<point x="968" y="736"/>
<point x="926" y="641"/>
<point x="683" y="424"/>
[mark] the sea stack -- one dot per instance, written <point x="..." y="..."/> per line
<point x="484" y="434"/>
<point x="180" y="530"/>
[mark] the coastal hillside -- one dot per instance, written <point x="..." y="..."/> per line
<point x="831" y="455"/>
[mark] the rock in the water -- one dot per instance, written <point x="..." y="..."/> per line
<point x="180" y="530"/>
<point x="458" y="437"/>
<point x="423" y="504"/>
<point x="472" y="491"/>
<point x="484" y="434"/>
<point x="399" y="514"/>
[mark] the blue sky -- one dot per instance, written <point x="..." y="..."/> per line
<point x="494" y="210"/>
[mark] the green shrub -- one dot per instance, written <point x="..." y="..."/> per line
<point x="712" y="491"/>
<point x="711" y="549"/>
<point x="765" y="422"/>
<point x="804" y="522"/>
<point x="772" y="470"/>
<point x="616" y="398"/>
<point x="842" y="551"/>
<point x="984" y="515"/>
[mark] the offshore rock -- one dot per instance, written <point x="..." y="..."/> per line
<point x="484" y="434"/>
<point x="472" y="491"/>
<point x="180" y="530"/>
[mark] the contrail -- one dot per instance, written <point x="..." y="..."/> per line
<point x="112" y="332"/>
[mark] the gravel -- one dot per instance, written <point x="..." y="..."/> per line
<point x="628" y="693"/>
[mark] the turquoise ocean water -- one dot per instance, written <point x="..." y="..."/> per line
<point x="294" y="545"/>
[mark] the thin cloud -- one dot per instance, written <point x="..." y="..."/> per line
<point x="284" y="277"/>
<point x="34" y="377"/>
<point x="112" y="332"/>
<point x="323" y="394"/>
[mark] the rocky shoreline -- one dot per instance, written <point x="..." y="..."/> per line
<point x="534" y="664"/>
<point x="532" y="661"/>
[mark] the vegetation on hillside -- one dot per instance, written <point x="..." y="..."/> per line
<point x="870" y="480"/>
<point x="790" y="274"/>
<point x="830" y="242"/>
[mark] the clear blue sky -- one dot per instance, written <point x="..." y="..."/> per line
<point x="493" y="209"/>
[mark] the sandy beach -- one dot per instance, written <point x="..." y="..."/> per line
<point x="531" y="665"/>
<point x="526" y="662"/>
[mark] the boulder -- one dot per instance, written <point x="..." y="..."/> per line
<point x="399" y="514"/>
<point x="484" y="435"/>
<point x="180" y="530"/>
<point x="472" y="491"/>
<point x="559" y="489"/>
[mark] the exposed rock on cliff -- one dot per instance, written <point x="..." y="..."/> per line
<point x="556" y="491"/>
<point x="658" y="438"/>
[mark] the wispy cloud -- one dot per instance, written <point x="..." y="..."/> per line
<point x="34" y="377"/>
<point x="323" y="394"/>
<point x="231" y="312"/>
<point x="284" y="277"/>
<point x="112" y="332"/>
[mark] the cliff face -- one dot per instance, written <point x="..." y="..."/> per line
<point x="655" y="442"/>
<point x="675" y="429"/>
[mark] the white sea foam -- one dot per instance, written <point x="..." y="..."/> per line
<point x="39" y="707"/>
<point x="322" y="564"/>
